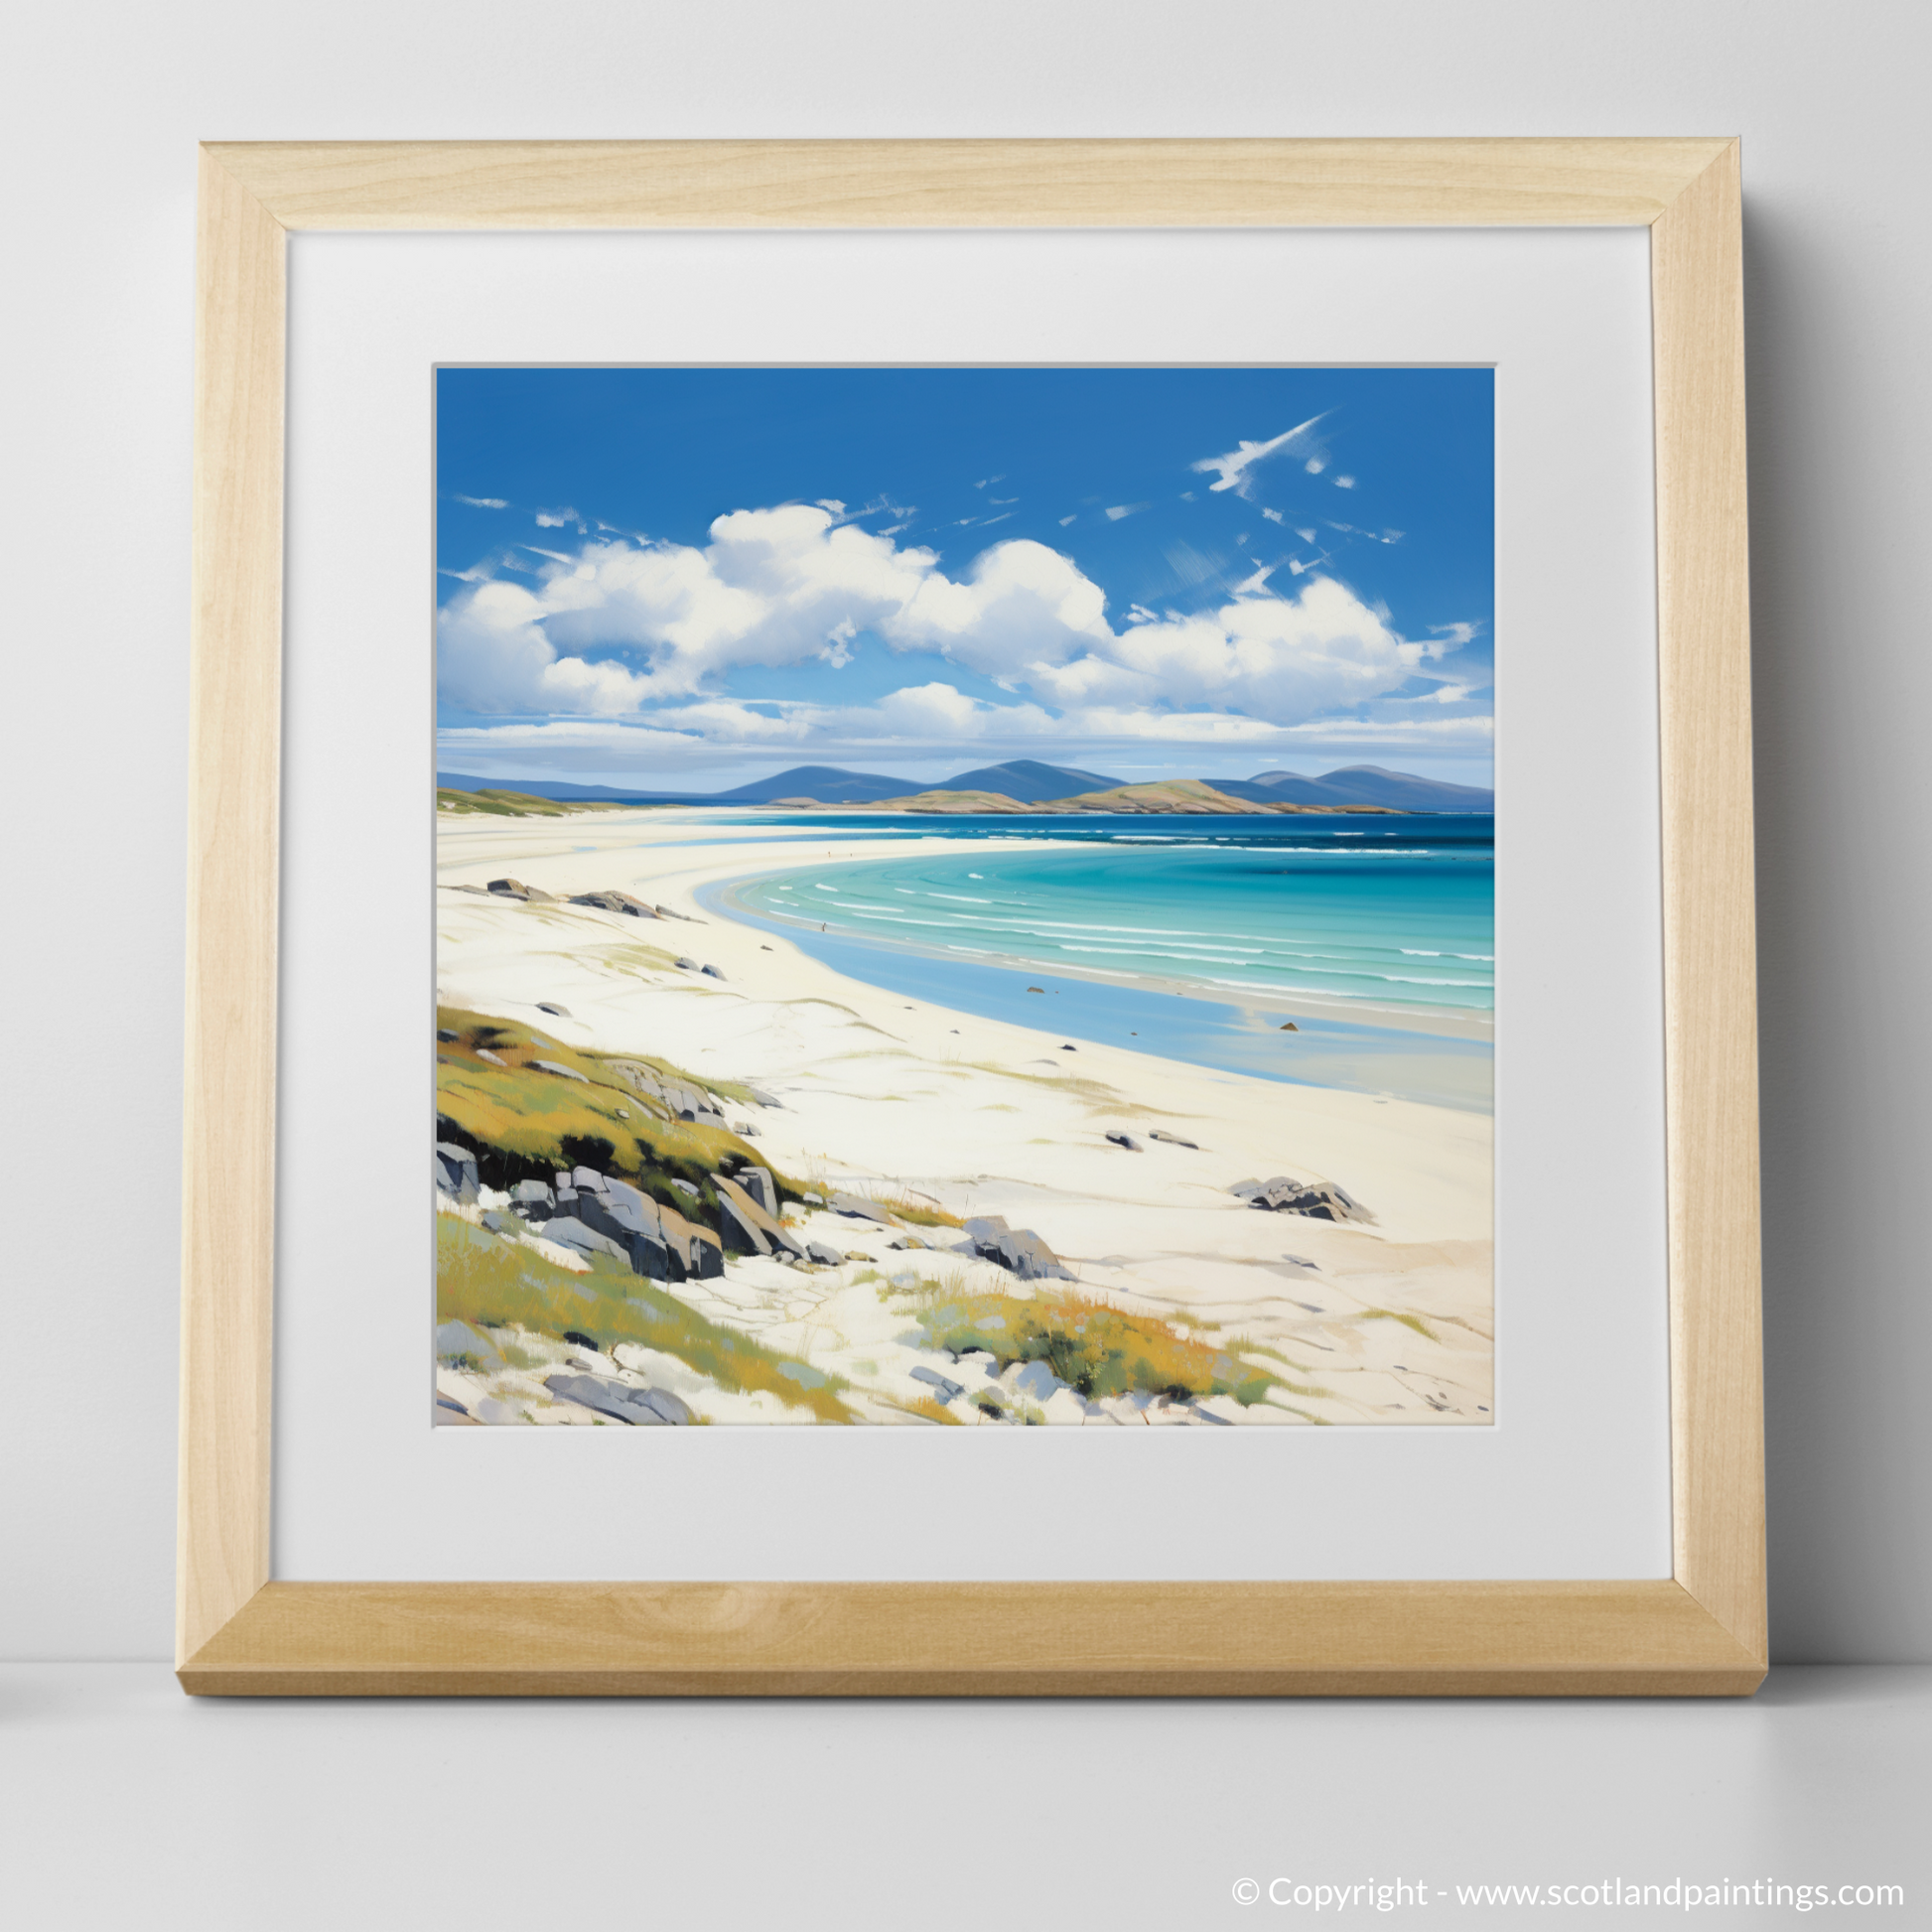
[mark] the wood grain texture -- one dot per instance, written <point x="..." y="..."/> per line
<point x="963" y="183"/>
<point x="229" y="1167"/>
<point x="1709" y="936"/>
<point x="987" y="1639"/>
<point x="1703" y="1634"/>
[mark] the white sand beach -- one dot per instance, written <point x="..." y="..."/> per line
<point x="1382" y="1323"/>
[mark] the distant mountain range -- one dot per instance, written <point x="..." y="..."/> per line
<point x="1027" y="783"/>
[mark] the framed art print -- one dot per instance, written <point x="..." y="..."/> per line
<point x="1034" y="883"/>
<point x="958" y="1094"/>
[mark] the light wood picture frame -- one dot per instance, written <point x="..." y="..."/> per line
<point x="1700" y="1632"/>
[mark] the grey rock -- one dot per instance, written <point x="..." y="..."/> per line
<point x="457" y="1338"/>
<point x="557" y="1013"/>
<point x="515" y="889"/>
<point x="1018" y="1250"/>
<point x="711" y="972"/>
<point x="817" y="1200"/>
<point x="1321" y="1200"/>
<point x="456" y="1169"/>
<point x="740" y="1214"/>
<point x="636" y="1223"/>
<point x="566" y="1200"/>
<point x="583" y="1179"/>
<point x="497" y="1222"/>
<point x="826" y="1256"/>
<point x="613" y="902"/>
<point x="447" y="1035"/>
<point x="1069" y="1049"/>
<point x="686" y="965"/>
<point x="745" y="1130"/>
<point x="706" y="1255"/>
<point x="742" y="1234"/>
<point x="762" y="1098"/>
<point x="569" y="1232"/>
<point x="1172" y="1140"/>
<point x="757" y="1182"/>
<point x="561" y="1071"/>
<point x="944" y="1389"/>
<point x="495" y="1060"/>
<point x="860" y="1209"/>
<point x="447" y="1408"/>
<point x="1127" y="1141"/>
<point x="1035" y="1381"/>
<point x="685" y="1187"/>
<point x="643" y="1408"/>
<point x="533" y="1199"/>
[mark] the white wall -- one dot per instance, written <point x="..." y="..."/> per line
<point x="103" y="109"/>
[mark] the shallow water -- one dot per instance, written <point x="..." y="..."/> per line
<point x="1190" y="942"/>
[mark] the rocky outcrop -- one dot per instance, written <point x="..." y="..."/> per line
<point x="556" y="1012"/>
<point x="1018" y="1250"/>
<point x="560" y="1070"/>
<point x="456" y="1171"/>
<point x="658" y="1242"/>
<point x="747" y="1228"/>
<point x="711" y="972"/>
<point x="614" y="901"/>
<point x="824" y="1254"/>
<point x="534" y="1201"/>
<point x="1120" y="1138"/>
<point x="1172" y="1140"/>
<point x="1321" y="1200"/>
<point x="515" y="889"/>
<point x="757" y="1182"/>
<point x="580" y="1238"/>
<point x="642" y="1407"/>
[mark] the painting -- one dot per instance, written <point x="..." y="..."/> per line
<point x="964" y="897"/>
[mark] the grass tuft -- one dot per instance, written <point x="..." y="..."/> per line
<point x="490" y="1283"/>
<point x="1093" y="1346"/>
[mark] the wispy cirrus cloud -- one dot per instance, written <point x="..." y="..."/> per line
<point x="1236" y="468"/>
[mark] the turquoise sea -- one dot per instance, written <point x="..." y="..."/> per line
<point x="1193" y="939"/>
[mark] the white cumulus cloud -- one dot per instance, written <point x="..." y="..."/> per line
<point x="620" y="628"/>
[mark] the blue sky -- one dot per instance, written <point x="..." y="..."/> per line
<point x="691" y="577"/>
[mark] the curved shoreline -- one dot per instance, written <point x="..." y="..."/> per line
<point x="1470" y="1024"/>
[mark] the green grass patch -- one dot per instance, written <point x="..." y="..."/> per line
<point x="534" y="1121"/>
<point x="490" y="1283"/>
<point x="1093" y="1346"/>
